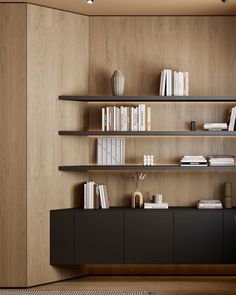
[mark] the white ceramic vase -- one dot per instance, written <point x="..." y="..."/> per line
<point x="118" y="83"/>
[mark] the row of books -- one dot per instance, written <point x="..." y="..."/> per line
<point x="209" y="204"/>
<point x="110" y="151"/>
<point x="95" y="196"/>
<point x="217" y="160"/>
<point x="122" y="118"/>
<point x="174" y="83"/>
<point x="230" y="125"/>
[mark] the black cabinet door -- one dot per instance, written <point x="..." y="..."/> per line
<point x="149" y="236"/>
<point x="198" y="236"/>
<point x="62" y="237"/>
<point x="230" y="236"/>
<point x="99" y="236"/>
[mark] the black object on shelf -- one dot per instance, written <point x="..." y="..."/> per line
<point x="148" y="98"/>
<point x="193" y="126"/>
<point x="147" y="133"/>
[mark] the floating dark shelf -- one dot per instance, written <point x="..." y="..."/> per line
<point x="147" y="133"/>
<point x="144" y="168"/>
<point x="149" y="98"/>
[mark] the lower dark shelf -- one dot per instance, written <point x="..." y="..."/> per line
<point x="144" y="168"/>
<point x="148" y="133"/>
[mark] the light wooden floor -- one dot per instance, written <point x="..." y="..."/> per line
<point x="159" y="285"/>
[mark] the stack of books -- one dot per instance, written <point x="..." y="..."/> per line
<point x="221" y="160"/>
<point x="232" y="119"/>
<point x="156" y="206"/>
<point x="215" y="126"/>
<point x="174" y="83"/>
<point x="110" y="151"/>
<point x="95" y="195"/>
<point x="122" y="118"/>
<point x="193" y="161"/>
<point x="209" y="204"/>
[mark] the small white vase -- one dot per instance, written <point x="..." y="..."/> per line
<point x="118" y="83"/>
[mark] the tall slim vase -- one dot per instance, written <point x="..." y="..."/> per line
<point x="118" y="83"/>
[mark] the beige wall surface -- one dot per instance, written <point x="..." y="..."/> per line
<point x="12" y="145"/>
<point x="57" y="64"/>
<point x="141" y="47"/>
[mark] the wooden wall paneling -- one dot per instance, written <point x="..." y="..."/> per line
<point x="13" y="145"/>
<point x="178" y="188"/>
<point x="142" y="46"/>
<point x="58" y="63"/>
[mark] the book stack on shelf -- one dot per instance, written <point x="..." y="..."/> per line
<point x="110" y="151"/>
<point x="95" y="195"/>
<point x="193" y="161"/>
<point x="209" y="204"/>
<point x="232" y="119"/>
<point x="215" y="126"/>
<point x="156" y="205"/>
<point x="174" y="83"/>
<point x="137" y="118"/>
<point x="221" y="160"/>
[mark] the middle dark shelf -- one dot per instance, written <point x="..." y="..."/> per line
<point x="144" y="168"/>
<point x="147" y="133"/>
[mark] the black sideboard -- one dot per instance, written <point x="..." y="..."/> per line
<point x="138" y="236"/>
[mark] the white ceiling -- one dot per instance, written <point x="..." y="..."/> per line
<point x="141" y="7"/>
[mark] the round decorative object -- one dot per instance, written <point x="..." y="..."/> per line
<point x="118" y="83"/>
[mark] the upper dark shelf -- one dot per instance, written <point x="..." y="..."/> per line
<point x="144" y="168"/>
<point x="149" y="98"/>
<point x="147" y="133"/>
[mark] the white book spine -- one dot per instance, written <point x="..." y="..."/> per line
<point x="88" y="196"/>
<point x="169" y="82"/>
<point x="99" y="151"/>
<point x="232" y="119"/>
<point x="106" y="197"/>
<point x="103" y="120"/>
<point x="104" y="151"/>
<point x="107" y="118"/>
<point x="113" y="151"/>
<point x="118" y="152"/>
<point x="111" y="118"/>
<point x="117" y="119"/>
<point x="92" y="195"/>
<point x="148" y="118"/>
<point x="85" y="195"/>
<point x="186" y="84"/>
<point x="126" y="119"/>
<point x="142" y="118"/>
<point x="109" y="150"/>
<point x="161" y="83"/>
<point x="132" y="119"/>
<point x="114" y="118"/>
<point x="123" y="151"/>
<point x="122" y="118"/>
<point x="164" y="85"/>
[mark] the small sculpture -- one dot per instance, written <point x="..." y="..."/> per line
<point x="138" y="178"/>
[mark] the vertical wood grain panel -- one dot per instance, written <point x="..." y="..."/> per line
<point x="13" y="145"/>
<point x="58" y="63"/>
<point x="141" y="47"/>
